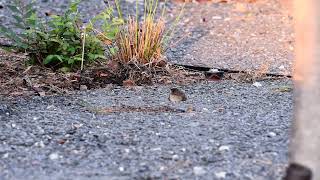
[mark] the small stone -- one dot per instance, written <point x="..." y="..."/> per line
<point x="224" y="148"/>
<point x="156" y="149"/>
<point x="13" y="125"/>
<point x="213" y="70"/>
<point x="77" y="126"/>
<point x="40" y="130"/>
<point x="190" y="109"/>
<point x="282" y="67"/>
<point x="51" y="107"/>
<point x="216" y="17"/>
<point x="221" y="175"/>
<point x="6" y="155"/>
<point x="257" y="84"/>
<point x="36" y="118"/>
<point x="39" y="144"/>
<point x="76" y="151"/>
<point x="83" y="88"/>
<point x="175" y="157"/>
<point x="42" y="93"/>
<point x="198" y="171"/>
<point x="121" y="168"/>
<point x="54" y="156"/>
<point x="127" y="151"/>
<point x="272" y="134"/>
<point x="205" y="109"/>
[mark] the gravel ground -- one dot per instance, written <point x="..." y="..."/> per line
<point x="236" y="131"/>
<point x="236" y="36"/>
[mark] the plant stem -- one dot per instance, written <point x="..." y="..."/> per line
<point x="83" y="44"/>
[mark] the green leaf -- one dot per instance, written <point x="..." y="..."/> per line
<point x="113" y="51"/>
<point x="3" y="29"/>
<point x="65" y="69"/>
<point x="56" y="41"/>
<point x="14" y="9"/>
<point x="17" y="18"/>
<point x="29" y="7"/>
<point x="51" y="58"/>
<point x="70" y="61"/>
<point x="30" y="13"/>
<point x="74" y="6"/>
<point x="72" y="50"/>
<point x="23" y="36"/>
<point x="12" y="35"/>
<point x="21" y="45"/>
<point x="19" y="25"/>
<point x="48" y="59"/>
<point x="99" y="56"/>
<point x="79" y="59"/>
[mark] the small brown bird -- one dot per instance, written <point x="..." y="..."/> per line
<point x="177" y="95"/>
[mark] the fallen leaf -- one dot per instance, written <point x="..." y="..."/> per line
<point x="128" y="83"/>
<point x="284" y="89"/>
<point x="240" y="7"/>
<point x="61" y="141"/>
<point x="190" y="109"/>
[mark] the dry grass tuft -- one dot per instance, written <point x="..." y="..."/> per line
<point x="142" y="44"/>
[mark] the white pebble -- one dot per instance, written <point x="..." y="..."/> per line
<point x="54" y="156"/>
<point x="6" y="155"/>
<point x="282" y="67"/>
<point x="175" y="157"/>
<point x="39" y="144"/>
<point x="216" y="17"/>
<point x="198" y="171"/>
<point x="83" y="87"/>
<point x="156" y="149"/>
<point x="221" y="175"/>
<point x="213" y="70"/>
<point x="224" y="148"/>
<point x="272" y="134"/>
<point x="126" y="150"/>
<point x="51" y="107"/>
<point x="77" y="125"/>
<point x="257" y="84"/>
<point x="121" y="168"/>
<point x="205" y="109"/>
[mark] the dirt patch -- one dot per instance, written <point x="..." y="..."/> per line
<point x="18" y="78"/>
<point x="146" y="109"/>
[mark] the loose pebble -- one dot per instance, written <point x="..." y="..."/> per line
<point x="198" y="171"/>
<point x="257" y="84"/>
<point x="224" y="148"/>
<point x="272" y="134"/>
<point x="221" y="175"/>
<point x="54" y="156"/>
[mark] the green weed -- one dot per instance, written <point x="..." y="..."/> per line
<point x="56" y="43"/>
